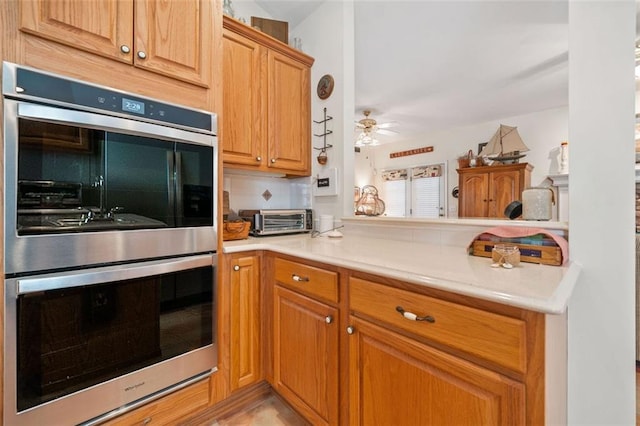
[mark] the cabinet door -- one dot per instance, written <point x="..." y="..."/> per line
<point x="244" y="101"/>
<point x="305" y="344"/>
<point x="173" y="38"/>
<point x="396" y="380"/>
<point x="504" y="188"/>
<point x="289" y="133"/>
<point x="97" y="26"/>
<point x="473" y="201"/>
<point x="244" y="331"/>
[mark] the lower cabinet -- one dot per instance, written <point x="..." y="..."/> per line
<point x="305" y="340"/>
<point x="245" y="320"/>
<point x="353" y="348"/>
<point x="397" y="380"/>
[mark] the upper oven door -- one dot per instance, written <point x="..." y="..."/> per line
<point x="75" y="180"/>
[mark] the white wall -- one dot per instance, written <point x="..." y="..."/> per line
<point x="601" y="355"/>
<point x="325" y="36"/>
<point x="541" y="131"/>
<point x="245" y="9"/>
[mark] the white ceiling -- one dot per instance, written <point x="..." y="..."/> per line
<point x="432" y="65"/>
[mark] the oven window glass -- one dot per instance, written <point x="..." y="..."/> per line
<point x="71" y="339"/>
<point x="74" y="179"/>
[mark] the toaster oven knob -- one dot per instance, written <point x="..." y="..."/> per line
<point x="125" y="49"/>
<point x="142" y="55"/>
<point x="258" y="158"/>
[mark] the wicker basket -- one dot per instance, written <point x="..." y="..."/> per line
<point x="236" y="230"/>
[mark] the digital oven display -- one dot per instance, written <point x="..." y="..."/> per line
<point x="130" y="105"/>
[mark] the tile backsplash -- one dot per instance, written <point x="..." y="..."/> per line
<point x="248" y="192"/>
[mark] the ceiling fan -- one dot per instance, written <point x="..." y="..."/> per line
<point x="370" y="126"/>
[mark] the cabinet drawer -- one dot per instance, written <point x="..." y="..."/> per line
<point x="169" y="409"/>
<point x="496" y="338"/>
<point x="307" y="279"/>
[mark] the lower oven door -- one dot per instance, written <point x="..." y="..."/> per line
<point x="95" y="342"/>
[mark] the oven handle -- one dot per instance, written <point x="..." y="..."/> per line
<point x="109" y="123"/>
<point x="107" y="274"/>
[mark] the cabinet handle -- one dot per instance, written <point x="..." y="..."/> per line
<point x="142" y="55"/>
<point x="350" y="330"/>
<point x="236" y="267"/>
<point x="258" y="158"/>
<point x="413" y="317"/>
<point x="328" y="319"/>
<point x="273" y="160"/>
<point x="125" y="49"/>
<point x="147" y="421"/>
<point x="299" y="279"/>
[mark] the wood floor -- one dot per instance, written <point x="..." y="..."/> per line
<point x="269" y="412"/>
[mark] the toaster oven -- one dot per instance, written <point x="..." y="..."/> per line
<point x="278" y="222"/>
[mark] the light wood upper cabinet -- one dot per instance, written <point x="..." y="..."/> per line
<point x="289" y="114"/>
<point x="244" y="283"/>
<point x="487" y="191"/>
<point x="171" y="38"/>
<point x="266" y="121"/>
<point x="244" y="126"/>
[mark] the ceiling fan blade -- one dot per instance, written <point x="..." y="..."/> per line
<point x="387" y="132"/>
<point x="387" y="125"/>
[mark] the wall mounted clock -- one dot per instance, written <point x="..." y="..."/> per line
<point x="325" y="86"/>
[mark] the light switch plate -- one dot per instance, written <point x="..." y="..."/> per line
<point x="326" y="183"/>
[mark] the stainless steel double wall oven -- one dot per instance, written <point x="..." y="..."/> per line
<point x="109" y="250"/>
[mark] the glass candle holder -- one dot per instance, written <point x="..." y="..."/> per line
<point x="505" y="254"/>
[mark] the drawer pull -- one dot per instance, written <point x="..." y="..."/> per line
<point x="299" y="279"/>
<point x="413" y="317"/>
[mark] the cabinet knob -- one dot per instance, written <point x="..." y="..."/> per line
<point x="125" y="49"/>
<point x="142" y="55"/>
<point x="350" y="330"/>
<point x="273" y="160"/>
<point x="236" y="267"/>
<point x="328" y="319"/>
<point x="258" y="158"/>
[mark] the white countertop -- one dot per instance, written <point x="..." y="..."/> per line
<point x="540" y="288"/>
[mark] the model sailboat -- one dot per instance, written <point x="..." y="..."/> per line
<point x="505" y="146"/>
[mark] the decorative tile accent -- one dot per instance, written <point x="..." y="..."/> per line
<point x="266" y="195"/>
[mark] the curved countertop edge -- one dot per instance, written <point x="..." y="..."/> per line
<point x="556" y="304"/>
<point x="484" y="222"/>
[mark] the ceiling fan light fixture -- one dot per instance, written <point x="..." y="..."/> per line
<point x="365" y="139"/>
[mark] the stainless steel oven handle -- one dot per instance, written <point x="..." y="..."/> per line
<point x="112" y="273"/>
<point x="109" y="123"/>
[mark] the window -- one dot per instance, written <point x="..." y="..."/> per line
<point x="414" y="192"/>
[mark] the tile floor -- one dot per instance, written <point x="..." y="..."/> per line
<point x="269" y="412"/>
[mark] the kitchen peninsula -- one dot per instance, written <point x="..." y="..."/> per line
<point x="386" y="322"/>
